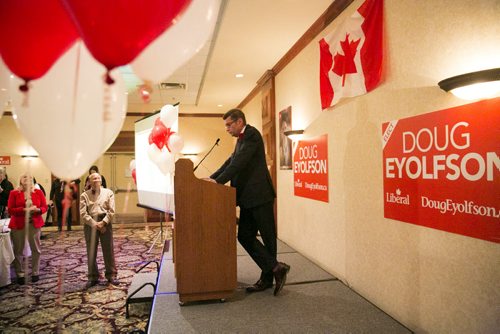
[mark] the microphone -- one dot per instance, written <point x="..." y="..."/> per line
<point x="206" y="155"/>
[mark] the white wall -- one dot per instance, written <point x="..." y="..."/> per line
<point x="13" y="144"/>
<point x="430" y="280"/>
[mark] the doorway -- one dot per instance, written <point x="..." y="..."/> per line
<point x="115" y="168"/>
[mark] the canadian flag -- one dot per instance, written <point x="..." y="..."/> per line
<point x="351" y="56"/>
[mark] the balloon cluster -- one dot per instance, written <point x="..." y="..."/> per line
<point x="52" y="26"/>
<point x="163" y="142"/>
<point x="69" y="94"/>
<point x="115" y="32"/>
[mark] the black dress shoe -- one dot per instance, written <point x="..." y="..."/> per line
<point x="21" y="280"/>
<point x="90" y="284"/>
<point x="35" y="278"/>
<point x="280" y="272"/>
<point x="260" y="286"/>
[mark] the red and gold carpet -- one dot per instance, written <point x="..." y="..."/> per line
<point x="59" y="302"/>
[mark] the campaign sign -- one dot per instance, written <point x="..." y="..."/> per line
<point x="310" y="168"/>
<point x="442" y="170"/>
<point x="5" y="160"/>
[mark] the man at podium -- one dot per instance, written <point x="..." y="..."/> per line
<point x="247" y="170"/>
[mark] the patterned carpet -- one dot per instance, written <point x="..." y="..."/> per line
<point x="59" y="302"/>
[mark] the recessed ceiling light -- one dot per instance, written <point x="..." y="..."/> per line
<point x="239" y="75"/>
<point x="220" y="105"/>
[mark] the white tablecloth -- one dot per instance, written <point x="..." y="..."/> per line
<point x="6" y="258"/>
<point x="4" y="225"/>
<point x="7" y="253"/>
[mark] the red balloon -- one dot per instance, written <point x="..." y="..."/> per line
<point x="134" y="176"/>
<point x="33" y="35"/>
<point x="115" y="32"/>
<point x="159" y="135"/>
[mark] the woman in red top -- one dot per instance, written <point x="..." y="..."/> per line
<point x="26" y="206"/>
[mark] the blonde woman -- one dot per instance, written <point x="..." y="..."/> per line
<point x="26" y="206"/>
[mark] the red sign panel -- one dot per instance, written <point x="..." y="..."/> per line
<point x="310" y="168"/>
<point x="442" y="170"/>
<point x="4" y="160"/>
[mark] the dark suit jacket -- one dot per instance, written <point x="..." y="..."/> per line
<point x="247" y="170"/>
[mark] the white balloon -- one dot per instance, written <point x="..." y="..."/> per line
<point x="162" y="158"/>
<point x="169" y="114"/>
<point x="65" y="119"/>
<point x="178" y="43"/>
<point x="132" y="164"/>
<point x="166" y="162"/>
<point x="154" y="153"/>
<point x="175" y="143"/>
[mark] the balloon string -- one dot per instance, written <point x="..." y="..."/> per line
<point x="106" y="113"/>
<point x="25" y="89"/>
<point x="75" y="86"/>
<point x="66" y="204"/>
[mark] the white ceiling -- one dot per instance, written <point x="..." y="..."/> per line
<point x="249" y="38"/>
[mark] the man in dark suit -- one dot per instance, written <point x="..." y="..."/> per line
<point x="247" y="170"/>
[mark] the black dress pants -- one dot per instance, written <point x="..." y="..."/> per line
<point x="60" y="211"/>
<point x="254" y="220"/>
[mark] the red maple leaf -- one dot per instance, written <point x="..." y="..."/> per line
<point x="344" y="64"/>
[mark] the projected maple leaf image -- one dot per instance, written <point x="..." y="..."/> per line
<point x="344" y="64"/>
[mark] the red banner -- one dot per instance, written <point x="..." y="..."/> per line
<point x="310" y="168"/>
<point x="442" y="170"/>
<point x="5" y="160"/>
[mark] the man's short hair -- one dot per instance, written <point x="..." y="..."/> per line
<point x="235" y="114"/>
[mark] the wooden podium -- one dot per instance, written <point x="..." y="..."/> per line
<point x="204" y="236"/>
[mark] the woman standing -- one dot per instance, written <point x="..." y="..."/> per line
<point x="26" y="206"/>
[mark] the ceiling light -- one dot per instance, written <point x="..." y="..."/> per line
<point x="474" y="85"/>
<point x="239" y="75"/>
<point x="29" y="156"/>
<point x="220" y="105"/>
<point x="172" y="85"/>
<point x="294" y="134"/>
